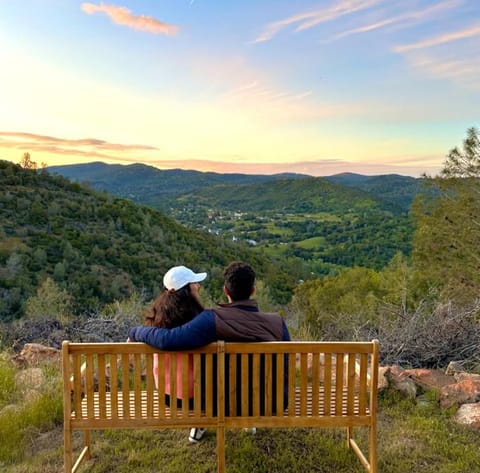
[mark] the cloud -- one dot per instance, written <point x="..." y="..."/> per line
<point x="415" y="16"/>
<point x="434" y="57"/>
<point x="462" y="70"/>
<point x="89" y="148"/>
<point x="313" y="18"/>
<point x="442" y="39"/>
<point x="123" y="16"/>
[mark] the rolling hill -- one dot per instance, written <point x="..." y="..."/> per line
<point x="319" y="224"/>
<point x="310" y="194"/>
<point x="149" y="185"/>
<point x="97" y="247"/>
<point x="392" y="188"/>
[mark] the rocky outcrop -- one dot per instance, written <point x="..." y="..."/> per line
<point x="35" y="354"/>
<point x="466" y="390"/>
<point x="469" y="414"/>
<point x="455" y="387"/>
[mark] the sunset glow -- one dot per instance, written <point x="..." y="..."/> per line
<point x="318" y="87"/>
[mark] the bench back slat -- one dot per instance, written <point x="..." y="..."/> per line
<point x="316" y="379"/>
<point x="362" y="396"/>
<point x="150" y="383"/>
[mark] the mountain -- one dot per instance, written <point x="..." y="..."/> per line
<point x="149" y="185"/>
<point x="392" y="188"/>
<point x="317" y="224"/>
<point x="100" y="248"/>
<point x="310" y="194"/>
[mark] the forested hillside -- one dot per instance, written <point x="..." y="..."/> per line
<point x="313" y="224"/>
<point x="99" y="248"/>
<point x="312" y="194"/>
<point x="397" y="190"/>
<point x="324" y="225"/>
<point x="149" y="185"/>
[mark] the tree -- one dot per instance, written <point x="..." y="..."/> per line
<point x="27" y="163"/>
<point x="464" y="164"/>
<point x="51" y="302"/>
<point x="446" y="241"/>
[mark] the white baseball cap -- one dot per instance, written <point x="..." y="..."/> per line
<point x="179" y="276"/>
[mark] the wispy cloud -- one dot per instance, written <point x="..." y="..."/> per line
<point x="123" y="16"/>
<point x="85" y="148"/>
<point x="19" y="139"/>
<point x="313" y="18"/>
<point x="411" y="17"/>
<point x="441" y="39"/>
<point x="260" y="99"/>
<point x="462" y="70"/>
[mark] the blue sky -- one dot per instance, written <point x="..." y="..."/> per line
<point x="320" y="87"/>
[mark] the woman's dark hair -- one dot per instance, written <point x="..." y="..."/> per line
<point x="239" y="280"/>
<point x="173" y="308"/>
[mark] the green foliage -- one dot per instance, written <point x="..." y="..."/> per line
<point x="448" y="225"/>
<point x="7" y="380"/>
<point x="98" y="249"/>
<point x="49" y="302"/>
<point x="399" y="191"/>
<point x="346" y="305"/>
<point x="318" y="224"/>
<point x="149" y="185"/>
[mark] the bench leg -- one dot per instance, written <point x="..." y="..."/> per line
<point x="349" y="436"/>
<point x="221" y="449"/>
<point x="88" y="439"/>
<point x="373" y="449"/>
<point x="67" y="450"/>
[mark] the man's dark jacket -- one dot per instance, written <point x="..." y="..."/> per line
<point x="236" y="322"/>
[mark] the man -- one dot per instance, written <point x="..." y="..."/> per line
<point x="238" y="321"/>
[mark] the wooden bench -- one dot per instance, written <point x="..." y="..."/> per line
<point x="329" y="384"/>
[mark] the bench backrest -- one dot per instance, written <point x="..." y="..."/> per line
<point x="113" y="383"/>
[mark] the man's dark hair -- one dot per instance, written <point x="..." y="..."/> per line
<point x="239" y="280"/>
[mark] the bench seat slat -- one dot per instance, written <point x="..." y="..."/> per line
<point x="100" y="407"/>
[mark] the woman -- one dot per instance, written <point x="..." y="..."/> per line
<point x="176" y="305"/>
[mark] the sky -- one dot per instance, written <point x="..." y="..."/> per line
<point x="252" y="86"/>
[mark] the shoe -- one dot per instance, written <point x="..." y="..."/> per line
<point x="196" y="434"/>
<point x="250" y="430"/>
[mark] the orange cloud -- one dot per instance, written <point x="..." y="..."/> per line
<point x="19" y="139"/>
<point x="123" y="16"/>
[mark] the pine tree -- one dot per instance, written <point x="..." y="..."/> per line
<point x="446" y="242"/>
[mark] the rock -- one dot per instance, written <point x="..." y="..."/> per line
<point x="465" y="391"/>
<point x="429" y="379"/>
<point x="34" y="354"/>
<point x="403" y="384"/>
<point x="454" y="367"/>
<point x="467" y="376"/>
<point x="468" y="414"/>
<point x="382" y="377"/>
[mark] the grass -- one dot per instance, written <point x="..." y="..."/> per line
<point x="26" y="414"/>
<point x="311" y="243"/>
<point x="411" y="437"/>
